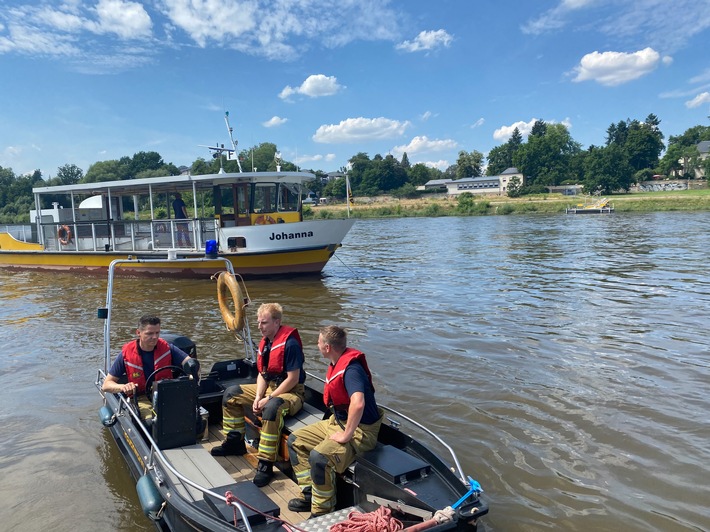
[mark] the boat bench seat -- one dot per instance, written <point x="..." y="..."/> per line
<point x="198" y="465"/>
<point x="396" y="465"/>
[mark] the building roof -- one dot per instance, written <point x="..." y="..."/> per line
<point x="704" y="146"/>
<point x="511" y="170"/>
<point x="473" y="179"/>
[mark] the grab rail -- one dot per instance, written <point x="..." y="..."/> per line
<point x="156" y="453"/>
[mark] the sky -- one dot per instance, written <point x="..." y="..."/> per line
<point x="88" y="81"/>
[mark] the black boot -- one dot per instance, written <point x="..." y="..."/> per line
<point x="233" y="445"/>
<point x="302" y="504"/>
<point x="264" y="473"/>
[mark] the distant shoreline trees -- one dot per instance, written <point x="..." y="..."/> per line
<point x="632" y="152"/>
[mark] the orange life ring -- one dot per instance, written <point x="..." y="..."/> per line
<point x="226" y="282"/>
<point x="64" y="235"/>
<point x="264" y="219"/>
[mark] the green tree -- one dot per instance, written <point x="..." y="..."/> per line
<point x="405" y="161"/>
<point x="469" y="164"/>
<point x="335" y="188"/>
<point x="515" y="185"/>
<point x="607" y="170"/>
<point x="539" y="129"/>
<point x="69" y="174"/>
<point x="419" y="174"/>
<point x="146" y="160"/>
<point x="500" y="158"/>
<point x="545" y="158"/>
<point x="104" y="171"/>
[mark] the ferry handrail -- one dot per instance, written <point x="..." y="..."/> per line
<point x="155" y="452"/>
<point x="431" y="433"/>
<point x="103" y="232"/>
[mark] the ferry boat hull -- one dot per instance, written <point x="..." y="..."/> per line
<point x="287" y="261"/>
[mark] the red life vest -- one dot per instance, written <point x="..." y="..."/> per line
<point x="276" y="370"/>
<point x="334" y="393"/>
<point x="134" y="365"/>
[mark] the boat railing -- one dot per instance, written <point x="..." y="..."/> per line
<point x="124" y="405"/>
<point x="21" y="232"/>
<point x="127" y="235"/>
<point x="421" y="427"/>
<point x="157" y="455"/>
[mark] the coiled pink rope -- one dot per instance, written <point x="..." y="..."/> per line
<point x="380" y="520"/>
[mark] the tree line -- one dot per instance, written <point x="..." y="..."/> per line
<point x="550" y="156"/>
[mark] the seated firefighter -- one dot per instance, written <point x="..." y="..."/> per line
<point x="278" y="391"/>
<point x="321" y="450"/>
<point x="140" y="358"/>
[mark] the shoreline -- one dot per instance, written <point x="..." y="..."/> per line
<point x="442" y="205"/>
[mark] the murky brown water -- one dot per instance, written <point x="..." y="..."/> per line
<point x="564" y="358"/>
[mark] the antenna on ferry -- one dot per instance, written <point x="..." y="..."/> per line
<point x="234" y="142"/>
<point x="219" y="149"/>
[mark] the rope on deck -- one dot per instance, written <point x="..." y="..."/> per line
<point x="380" y="520"/>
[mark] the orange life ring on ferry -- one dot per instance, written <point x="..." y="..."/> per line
<point x="227" y="285"/>
<point x="64" y="235"/>
<point x="264" y="219"/>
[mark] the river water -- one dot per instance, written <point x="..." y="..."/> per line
<point x="564" y="358"/>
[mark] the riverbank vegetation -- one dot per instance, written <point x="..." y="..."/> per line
<point x="469" y="205"/>
<point x="631" y="153"/>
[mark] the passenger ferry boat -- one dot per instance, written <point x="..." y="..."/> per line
<point x="181" y="486"/>
<point x="254" y="219"/>
<point x="257" y="224"/>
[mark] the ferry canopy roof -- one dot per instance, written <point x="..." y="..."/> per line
<point x="176" y="183"/>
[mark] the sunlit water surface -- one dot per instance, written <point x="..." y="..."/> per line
<point x="564" y="358"/>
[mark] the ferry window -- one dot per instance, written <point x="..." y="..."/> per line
<point x="288" y="197"/>
<point x="265" y="197"/>
<point x="225" y="200"/>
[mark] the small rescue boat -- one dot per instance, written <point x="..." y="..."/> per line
<point x="181" y="486"/>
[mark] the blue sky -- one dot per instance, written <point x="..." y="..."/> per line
<point x="86" y="81"/>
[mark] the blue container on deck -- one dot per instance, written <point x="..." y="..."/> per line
<point x="211" y="249"/>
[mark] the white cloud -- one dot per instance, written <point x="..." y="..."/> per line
<point x="28" y="40"/>
<point x="275" y="121"/>
<point x="360" y="130"/>
<point x="205" y="20"/>
<point x="478" y="123"/>
<point x="554" y="18"/>
<point x="615" y="68"/>
<point x="703" y="97"/>
<point x="424" y="145"/>
<point x="128" y="20"/>
<point x="426" y="116"/>
<point x="314" y="86"/>
<point x="664" y="25"/>
<point x="504" y="132"/>
<point x="427" y="40"/>
<point x="441" y="164"/>
<point x="281" y="30"/>
<point x="328" y="157"/>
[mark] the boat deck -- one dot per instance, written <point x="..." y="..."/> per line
<point x="242" y="468"/>
<point x="219" y="473"/>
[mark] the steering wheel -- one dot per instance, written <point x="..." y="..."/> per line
<point x="149" y="380"/>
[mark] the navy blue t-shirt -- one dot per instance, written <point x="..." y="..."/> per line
<point x="355" y="379"/>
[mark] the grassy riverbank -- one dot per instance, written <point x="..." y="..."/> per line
<point x="441" y="205"/>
